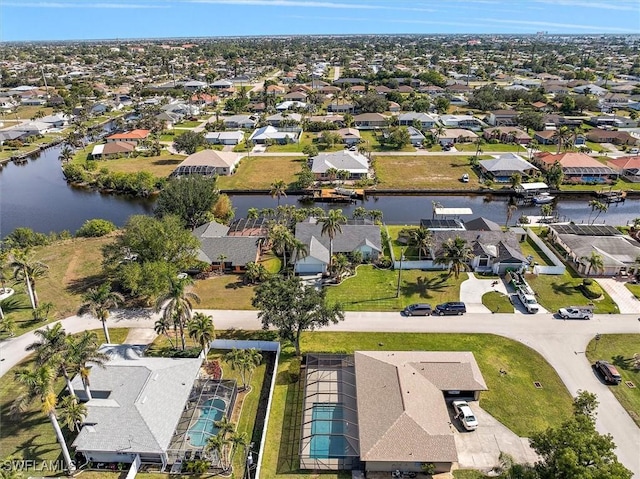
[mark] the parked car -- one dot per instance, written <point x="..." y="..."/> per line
<point x="450" y="309"/>
<point x="465" y="414"/>
<point x="608" y="372"/>
<point x="421" y="309"/>
<point x="576" y="312"/>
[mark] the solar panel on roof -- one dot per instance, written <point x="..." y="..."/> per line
<point x="440" y="224"/>
<point x="587" y="230"/>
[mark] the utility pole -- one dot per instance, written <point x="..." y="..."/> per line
<point x="400" y="272"/>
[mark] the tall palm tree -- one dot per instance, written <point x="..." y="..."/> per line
<point x="225" y="426"/>
<point x="281" y="239"/>
<point x="38" y="385"/>
<point x="84" y="351"/>
<point x="455" y="253"/>
<point x="27" y="270"/>
<point x="340" y="265"/>
<point x="219" y="443"/>
<point x="72" y="413"/>
<point x="202" y="330"/>
<point x="511" y="209"/>
<point x="422" y="240"/>
<point x="162" y="326"/>
<point x="238" y="440"/>
<point x="278" y="190"/>
<point x="66" y="154"/>
<point x="478" y="142"/>
<point x="178" y="304"/>
<point x="595" y="262"/>
<point x="598" y="206"/>
<point x="97" y="302"/>
<point x="253" y="358"/>
<point x="561" y="136"/>
<point x="52" y="348"/>
<point x="331" y="226"/>
<point x="515" y="180"/>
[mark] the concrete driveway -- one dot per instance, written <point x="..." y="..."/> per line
<point x="480" y="449"/>
<point x="472" y="290"/>
<point x="627" y="302"/>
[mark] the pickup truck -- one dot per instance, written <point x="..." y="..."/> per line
<point x="575" y="312"/>
<point x="528" y="301"/>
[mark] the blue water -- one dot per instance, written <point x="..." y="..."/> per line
<point x="327" y="428"/>
<point x="212" y="410"/>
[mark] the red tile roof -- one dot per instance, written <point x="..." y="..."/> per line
<point x="626" y="162"/>
<point x="130" y="135"/>
<point x="568" y="160"/>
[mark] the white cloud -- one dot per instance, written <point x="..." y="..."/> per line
<point x="574" y="26"/>
<point x="310" y="4"/>
<point x="613" y="5"/>
<point x="127" y="6"/>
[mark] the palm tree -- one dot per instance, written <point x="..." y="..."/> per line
<point x="511" y="209"/>
<point x="440" y="130"/>
<point x="52" y="348"/>
<point x="595" y="262"/>
<point x="238" y="440"/>
<point x="66" y="154"/>
<point x="560" y="136"/>
<point x="478" y="142"/>
<point x="253" y="358"/>
<point x="72" y="413"/>
<point x="85" y="352"/>
<point x="27" y="270"/>
<point x="162" y="326"/>
<point x="97" y="302"/>
<point x="225" y="426"/>
<point x="38" y="384"/>
<point x="281" y="239"/>
<point x="598" y="206"/>
<point x="218" y="443"/>
<point x="422" y="240"/>
<point x="332" y="225"/>
<point x="515" y="180"/>
<point x="178" y="304"/>
<point x="202" y="330"/>
<point x="546" y="210"/>
<point x="253" y="213"/>
<point x="340" y="265"/>
<point x="455" y="253"/>
<point x="278" y="190"/>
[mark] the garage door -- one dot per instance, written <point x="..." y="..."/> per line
<point x="309" y="268"/>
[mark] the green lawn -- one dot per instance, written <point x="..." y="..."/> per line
<point x="74" y="265"/>
<point x="258" y="172"/>
<point x="619" y="349"/>
<point x="187" y="124"/>
<point x="6" y="152"/>
<point x="224" y="292"/>
<point x="490" y="147"/>
<point x="554" y="292"/>
<point x="31" y="436"/>
<point x="497" y="302"/>
<point x="621" y="184"/>
<point x="28" y="112"/>
<point x="308" y="138"/>
<point x="634" y="288"/>
<point x="526" y="411"/>
<point x="372" y="138"/>
<point x="424" y="172"/>
<point x="373" y="289"/>
<point x="529" y="248"/>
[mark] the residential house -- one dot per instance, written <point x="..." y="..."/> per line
<point x="225" y="137"/>
<point x="288" y="119"/>
<point x="11" y="135"/>
<point x="349" y="136"/>
<point x="352" y="161"/>
<point x="425" y="120"/>
<point x="416" y="137"/>
<point x="230" y="247"/>
<point x="222" y="84"/>
<point x="576" y="167"/>
<point x="394" y="107"/>
<point x="194" y="85"/>
<point x="612" y="121"/>
<point x="133" y="136"/>
<point x="555" y="87"/>
<point x="291" y="104"/>
<point x="502" y="168"/>
<point x="299" y="96"/>
<point x="204" y="99"/>
<point x="135" y="407"/>
<point x="507" y="134"/>
<point x="239" y="121"/>
<point x="458" y="88"/>
<point x="611" y="136"/>
<point x="356" y="235"/>
<point x="341" y="108"/>
<point x="590" y="89"/>
<point x="114" y="149"/>
<point x="334" y="119"/>
<point x="33" y="128"/>
<point x="182" y="109"/>
<point x="628" y="167"/>
<point x="503" y="118"/>
<point x="56" y="121"/>
<point x="269" y="133"/>
<point x="619" y="252"/>
<point x="208" y="163"/>
<point x="462" y="121"/>
<point x="451" y="136"/>
<point x="393" y="408"/>
<point x="33" y="101"/>
<point x="275" y="90"/>
<point x="370" y="121"/>
<point x="563" y="120"/>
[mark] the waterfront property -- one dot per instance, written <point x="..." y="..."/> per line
<point x="209" y="163"/>
<point x="576" y="167"/>
<point x="628" y="167"/>
<point x="133" y="136"/>
<point x="351" y="161"/>
<point x="502" y="168"/>
<point x="382" y="411"/>
<point x="114" y="149"/>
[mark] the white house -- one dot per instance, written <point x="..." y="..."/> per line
<point x="355" y="163"/>
<point x="407" y="119"/>
<point x="270" y="133"/>
<point x="225" y="137"/>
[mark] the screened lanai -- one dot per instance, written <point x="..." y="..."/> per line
<point x="330" y="432"/>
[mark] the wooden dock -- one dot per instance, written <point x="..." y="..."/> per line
<point x="612" y="196"/>
<point x="334" y="195"/>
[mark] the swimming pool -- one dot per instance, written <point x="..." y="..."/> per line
<point x="212" y="410"/>
<point x="327" y="428"/>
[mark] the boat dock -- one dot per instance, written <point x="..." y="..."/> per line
<point x="334" y="195"/>
<point x="612" y="196"/>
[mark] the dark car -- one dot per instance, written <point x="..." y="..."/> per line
<point x="608" y="371"/>
<point x="450" y="309"/>
<point x="422" y="309"/>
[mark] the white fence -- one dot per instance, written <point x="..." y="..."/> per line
<point x="558" y="266"/>
<point x="262" y="346"/>
<point x="133" y="470"/>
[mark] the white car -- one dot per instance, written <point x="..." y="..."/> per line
<point x="465" y="414"/>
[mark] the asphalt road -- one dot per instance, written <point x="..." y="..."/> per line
<point x="561" y="343"/>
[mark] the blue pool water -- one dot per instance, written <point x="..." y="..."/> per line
<point x="212" y="410"/>
<point x="327" y="428"/>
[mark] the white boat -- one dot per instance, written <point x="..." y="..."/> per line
<point x="543" y="199"/>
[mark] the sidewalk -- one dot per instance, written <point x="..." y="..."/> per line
<point x="626" y="301"/>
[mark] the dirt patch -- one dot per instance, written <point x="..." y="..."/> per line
<point x="69" y="273"/>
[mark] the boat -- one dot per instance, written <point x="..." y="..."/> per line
<point x="612" y="196"/>
<point x="542" y="199"/>
<point x="465" y="178"/>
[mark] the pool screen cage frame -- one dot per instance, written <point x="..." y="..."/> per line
<point x="330" y="379"/>
<point x="202" y="391"/>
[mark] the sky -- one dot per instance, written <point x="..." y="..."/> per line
<point x="32" y="20"/>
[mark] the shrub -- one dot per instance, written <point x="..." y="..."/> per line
<point x="95" y="228"/>
<point x="587" y="281"/>
<point x="591" y="291"/>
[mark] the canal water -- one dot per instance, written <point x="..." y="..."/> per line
<point x="36" y="195"/>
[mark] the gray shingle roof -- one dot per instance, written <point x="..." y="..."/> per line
<point x="145" y="402"/>
<point x="238" y="250"/>
<point x="615" y="250"/>
<point x="502" y="245"/>
<point x="482" y="224"/>
<point x="340" y="160"/>
<point x="509" y="162"/>
<point x="351" y="237"/>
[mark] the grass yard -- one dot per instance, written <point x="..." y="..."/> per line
<point x="424" y="172"/>
<point x="554" y="292"/>
<point x="6" y="152"/>
<point x="187" y="124"/>
<point x="258" y="172"/>
<point x="634" y="288"/>
<point x="28" y="112"/>
<point x="160" y="166"/>
<point x="529" y="248"/>
<point x="31" y="436"/>
<point x="74" y="266"/>
<point x="621" y="184"/>
<point x="497" y="302"/>
<point x="374" y="289"/>
<point x="619" y="349"/>
<point x="224" y="292"/>
<point x="528" y="410"/>
<point x="470" y="147"/>
<point x="373" y="140"/>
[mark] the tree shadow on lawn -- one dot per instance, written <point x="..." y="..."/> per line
<point x="422" y="286"/>
<point x="565" y="288"/>
<point x="628" y="364"/>
<point x="288" y="454"/>
<point x="170" y="161"/>
<point x="243" y="334"/>
<point x="81" y="285"/>
<point x="237" y="285"/>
